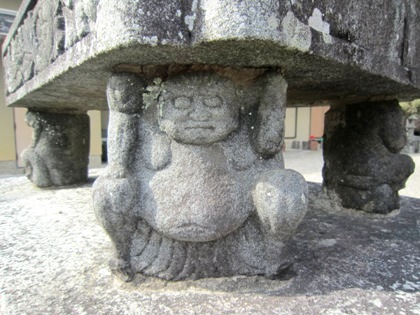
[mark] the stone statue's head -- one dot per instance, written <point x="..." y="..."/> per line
<point x="198" y="108"/>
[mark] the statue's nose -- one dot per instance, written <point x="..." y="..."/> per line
<point x="199" y="112"/>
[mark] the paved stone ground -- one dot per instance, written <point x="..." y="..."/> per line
<point x="53" y="260"/>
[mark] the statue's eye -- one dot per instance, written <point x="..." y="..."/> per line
<point x="182" y="103"/>
<point x="213" y="102"/>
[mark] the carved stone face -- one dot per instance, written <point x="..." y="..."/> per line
<point x="198" y="108"/>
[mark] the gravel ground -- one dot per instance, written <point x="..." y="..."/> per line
<point x="53" y="260"/>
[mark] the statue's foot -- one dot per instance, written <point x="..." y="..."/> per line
<point x="122" y="269"/>
<point x="281" y="199"/>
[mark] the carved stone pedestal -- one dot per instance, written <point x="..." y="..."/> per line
<point x="363" y="167"/>
<point x="196" y="185"/>
<point x="59" y="154"/>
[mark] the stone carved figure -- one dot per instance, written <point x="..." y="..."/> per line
<point x="363" y="167"/>
<point x="59" y="153"/>
<point x="195" y="185"/>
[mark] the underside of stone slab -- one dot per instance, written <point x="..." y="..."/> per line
<point x="59" y="54"/>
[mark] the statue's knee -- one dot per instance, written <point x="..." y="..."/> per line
<point x="35" y="168"/>
<point x="281" y="198"/>
<point x="113" y="196"/>
<point x="286" y="184"/>
<point x="407" y="164"/>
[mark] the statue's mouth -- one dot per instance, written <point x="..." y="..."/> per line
<point x="199" y="127"/>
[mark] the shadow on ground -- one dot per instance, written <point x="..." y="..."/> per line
<point x="341" y="249"/>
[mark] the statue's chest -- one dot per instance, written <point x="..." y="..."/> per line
<point x="196" y="178"/>
<point x="197" y="197"/>
<point x="192" y="165"/>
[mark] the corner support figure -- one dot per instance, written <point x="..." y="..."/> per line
<point x="363" y="167"/>
<point x="59" y="154"/>
<point x="195" y="185"/>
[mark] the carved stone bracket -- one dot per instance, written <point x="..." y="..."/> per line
<point x="59" y="154"/>
<point x="363" y="167"/>
<point x="195" y="185"/>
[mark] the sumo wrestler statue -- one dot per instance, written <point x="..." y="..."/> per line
<point x="196" y="185"/>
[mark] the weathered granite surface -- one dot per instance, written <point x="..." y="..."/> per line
<point x="195" y="186"/>
<point x="59" y="154"/>
<point x="60" y="53"/>
<point x="363" y="167"/>
<point x="53" y="260"/>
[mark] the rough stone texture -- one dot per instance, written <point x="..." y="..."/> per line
<point x="59" y="154"/>
<point x="53" y="260"/>
<point x="195" y="185"/>
<point x="60" y="53"/>
<point x="363" y="167"/>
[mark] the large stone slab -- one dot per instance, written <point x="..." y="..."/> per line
<point x="60" y="53"/>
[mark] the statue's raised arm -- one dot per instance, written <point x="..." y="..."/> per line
<point x="268" y="136"/>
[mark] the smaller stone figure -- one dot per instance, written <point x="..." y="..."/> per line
<point x="59" y="154"/>
<point x="195" y="186"/>
<point x="363" y="167"/>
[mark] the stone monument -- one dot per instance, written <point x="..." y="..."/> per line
<point x="195" y="185"/>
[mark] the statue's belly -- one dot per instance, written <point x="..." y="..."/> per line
<point x="198" y="202"/>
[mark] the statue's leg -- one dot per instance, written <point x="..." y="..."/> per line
<point x="59" y="154"/>
<point x="363" y="168"/>
<point x="35" y="169"/>
<point x="113" y="200"/>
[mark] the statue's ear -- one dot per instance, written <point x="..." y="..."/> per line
<point x="267" y="135"/>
